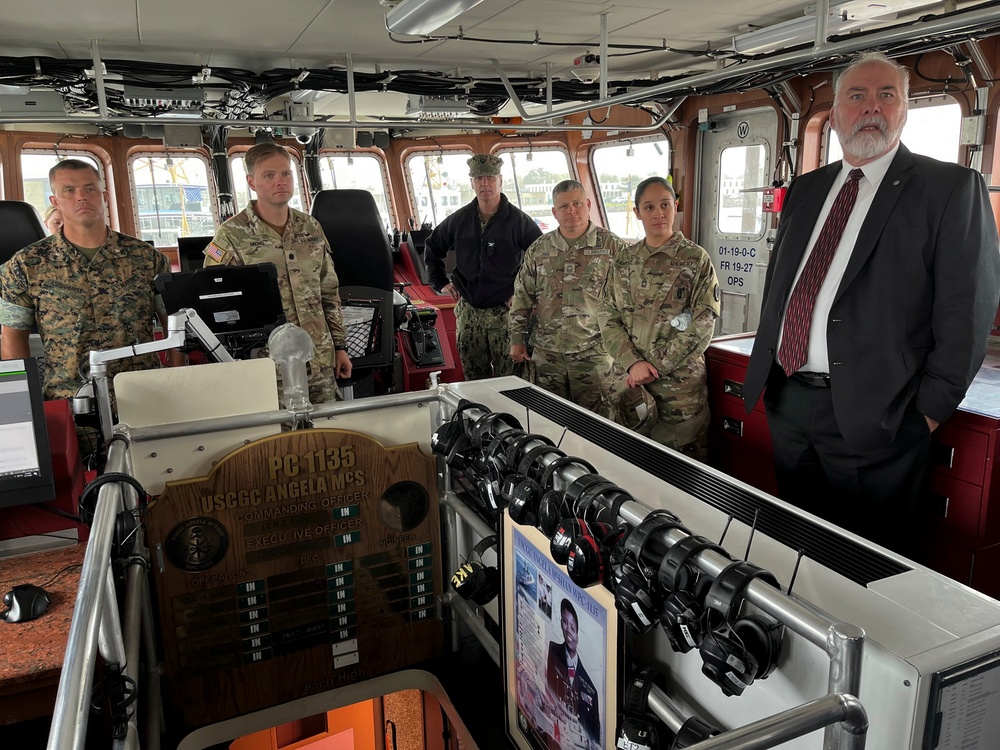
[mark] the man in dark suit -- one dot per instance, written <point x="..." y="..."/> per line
<point x="567" y="682"/>
<point x="866" y="348"/>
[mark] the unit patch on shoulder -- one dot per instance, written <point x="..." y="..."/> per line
<point x="718" y="293"/>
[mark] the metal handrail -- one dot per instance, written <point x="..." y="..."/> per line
<point x="95" y="617"/>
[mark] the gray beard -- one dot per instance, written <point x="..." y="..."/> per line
<point x="868" y="145"/>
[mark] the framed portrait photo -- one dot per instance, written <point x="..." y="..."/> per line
<point x="561" y="647"/>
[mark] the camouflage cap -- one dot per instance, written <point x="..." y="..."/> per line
<point x="637" y="410"/>
<point x="484" y="165"/>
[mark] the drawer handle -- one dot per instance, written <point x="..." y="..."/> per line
<point x="732" y="425"/>
<point x="732" y="388"/>
<point x="943" y="455"/>
<point x="937" y="505"/>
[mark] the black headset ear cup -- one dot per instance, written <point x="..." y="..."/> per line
<point x="444" y="437"/>
<point x="637" y="602"/>
<point x="587" y="563"/>
<point x="692" y="731"/>
<point x="725" y="659"/>
<point x="562" y="539"/>
<point x="475" y="581"/>
<point x="682" y="616"/>
<point x="762" y="639"/>
<point x="88" y="498"/>
<point x="638" y="733"/>
<point x="551" y="509"/>
<point x="524" y="500"/>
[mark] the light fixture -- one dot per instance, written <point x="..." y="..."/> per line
<point x="424" y="16"/>
<point x="630" y="151"/>
<point x="797" y="31"/>
<point x="437" y="107"/>
<point x="531" y="156"/>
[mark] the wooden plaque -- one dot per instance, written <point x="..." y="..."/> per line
<point x="303" y="562"/>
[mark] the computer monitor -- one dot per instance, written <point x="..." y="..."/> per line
<point x="25" y="461"/>
<point x="240" y="304"/>
<point x="191" y="252"/>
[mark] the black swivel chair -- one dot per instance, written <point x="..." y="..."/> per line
<point x="362" y="258"/>
<point x="20" y="226"/>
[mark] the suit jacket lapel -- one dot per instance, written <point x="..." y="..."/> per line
<point x="885" y="200"/>
<point x="817" y="187"/>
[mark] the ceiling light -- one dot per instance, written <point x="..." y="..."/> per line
<point x="425" y="16"/>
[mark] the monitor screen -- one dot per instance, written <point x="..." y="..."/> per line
<point x="238" y="303"/>
<point x="25" y="461"/>
<point x="191" y="252"/>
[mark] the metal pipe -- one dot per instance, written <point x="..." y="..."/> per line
<point x="109" y="637"/>
<point x="796" y="722"/>
<point x="909" y="32"/>
<point x="661" y="706"/>
<point x="151" y="694"/>
<point x="72" y="706"/>
<point x="602" y="83"/>
<point x="822" y="25"/>
<point x="479" y="526"/>
<point x="449" y="535"/>
<point x="845" y="644"/>
<point x="461" y="608"/>
<point x="135" y="584"/>
<point x="278" y="416"/>
<point x="102" y="94"/>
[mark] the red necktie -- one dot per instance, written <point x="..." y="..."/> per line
<point x="798" y="313"/>
<point x="572" y="673"/>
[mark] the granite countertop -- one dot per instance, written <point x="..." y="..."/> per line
<point x="33" y="651"/>
<point x="983" y="396"/>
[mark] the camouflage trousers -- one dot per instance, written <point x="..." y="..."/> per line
<point x="581" y="377"/>
<point x="483" y="341"/>
<point x="683" y="422"/>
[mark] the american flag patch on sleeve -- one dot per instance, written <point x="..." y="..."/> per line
<point x="215" y="252"/>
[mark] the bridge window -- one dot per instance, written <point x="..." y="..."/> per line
<point x="933" y="128"/>
<point x="35" y="166"/>
<point x="172" y="198"/>
<point x="742" y="178"/>
<point x="618" y="169"/>
<point x="242" y="192"/>
<point x="528" y="178"/>
<point x="357" y="172"/>
<point x="439" y="181"/>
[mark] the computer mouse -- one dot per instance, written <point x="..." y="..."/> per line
<point x="25" y="602"/>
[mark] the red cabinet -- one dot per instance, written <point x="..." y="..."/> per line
<point x="962" y="511"/>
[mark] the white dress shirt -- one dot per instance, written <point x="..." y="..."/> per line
<point x="818" y="359"/>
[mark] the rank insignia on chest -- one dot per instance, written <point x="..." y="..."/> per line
<point x="644" y="283"/>
<point x="679" y="293"/>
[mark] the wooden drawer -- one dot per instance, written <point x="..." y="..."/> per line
<point x="954" y="503"/>
<point x="960" y="453"/>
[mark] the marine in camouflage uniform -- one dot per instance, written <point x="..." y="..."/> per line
<point x="310" y="290"/>
<point x="660" y="305"/>
<point x="82" y="305"/>
<point x="561" y="281"/>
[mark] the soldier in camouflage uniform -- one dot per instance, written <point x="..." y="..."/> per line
<point x="561" y="280"/>
<point x="86" y="287"/>
<point x="489" y="237"/>
<point x="270" y="231"/>
<point x="657" y="318"/>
